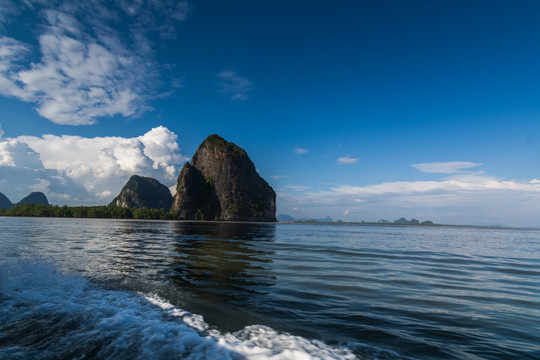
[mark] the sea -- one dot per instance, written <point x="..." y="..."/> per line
<point x="127" y="289"/>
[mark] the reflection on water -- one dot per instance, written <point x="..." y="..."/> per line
<point x="222" y="270"/>
<point x="224" y="259"/>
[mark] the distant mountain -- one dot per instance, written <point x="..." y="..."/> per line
<point x="221" y="183"/>
<point x="36" y="197"/>
<point x="5" y="203"/>
<point x="412" y="222"/>
<point x="285" y="218"/>
<point x="401" y="221"/>
<point x="145" y="192"/>
<point x="327" y="219"/>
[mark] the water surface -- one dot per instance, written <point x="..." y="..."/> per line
<point x="164" y="289"/>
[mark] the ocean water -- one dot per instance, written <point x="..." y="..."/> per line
<point x="116" y="289"/>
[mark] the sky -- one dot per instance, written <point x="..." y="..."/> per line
<point x="357" y="110"/>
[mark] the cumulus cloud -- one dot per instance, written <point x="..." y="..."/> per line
<point x="87" y="69"/>
<point x="235" y="86"/>
<point x="300" y="151"/>
<point x="449" y="167"/>
<point x="346" y="160"/>
<point x="75" y="169"/>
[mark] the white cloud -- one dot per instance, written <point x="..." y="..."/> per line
<point x="346" y="160"/>
<point x="300" y="151"/>
<point x="157" y="15"/>
<point x="87" y="69"/>
<point x="296" y="187"/>
<point x="275" y="177"/>
<point x="459" y="199"/>
<point x="76" y="169"/>
<point x="7" y="9"/>
<point x="346" y="212"/>
<point x="235" y="86"/>
<point x="1" y="131"/>
<point x="449" y="167"/>
<point x="14" y="153"/>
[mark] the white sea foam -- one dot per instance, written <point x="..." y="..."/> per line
<point x="45" y="314"/>
<point x="258" y="341"/>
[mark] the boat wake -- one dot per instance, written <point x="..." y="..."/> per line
<point x="45" y="314"/>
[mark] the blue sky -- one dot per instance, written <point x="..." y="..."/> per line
<point x="351" y="109"/>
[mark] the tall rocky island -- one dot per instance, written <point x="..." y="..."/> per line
<point x="221" y="183"/>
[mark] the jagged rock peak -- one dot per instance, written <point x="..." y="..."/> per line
<point x="36" y="197"/>
<point x="5" y="203"/>
<point x="145" y="192"/>
<point x="221" y="183"/>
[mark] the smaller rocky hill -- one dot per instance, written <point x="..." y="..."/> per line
<point x="36" y="197"/>
<point x="5" y="203"/>
<point x="145" y="192"/>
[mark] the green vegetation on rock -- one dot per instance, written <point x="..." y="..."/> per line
<point x="36" y="197"/>
<point x="143" y="192"/>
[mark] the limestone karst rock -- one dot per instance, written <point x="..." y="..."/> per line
<point x="145" y="192"/>
<point x="5" y="203"/>
<point x="37" y="197"/>
<point x="221" y="183"/>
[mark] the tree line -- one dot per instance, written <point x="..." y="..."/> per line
<point x="95" y="212"/>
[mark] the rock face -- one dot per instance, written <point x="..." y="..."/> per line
<point x="37" y="198"/>
<point x="221" y="183"/>
<point x="144" y="192"/>
<point x="5" y="203"/>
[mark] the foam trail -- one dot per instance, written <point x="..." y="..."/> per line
<point x="261" y="342"/>
<point x="45" y="315"/>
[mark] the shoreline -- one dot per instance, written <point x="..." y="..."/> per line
<point x="455" y="226"/>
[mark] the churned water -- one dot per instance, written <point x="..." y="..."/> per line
<point x="116" y="289"/>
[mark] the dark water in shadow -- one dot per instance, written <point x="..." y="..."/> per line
<point x="436" y="293"/>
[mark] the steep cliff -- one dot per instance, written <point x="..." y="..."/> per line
<point x="143" y="192"/>
<point x="221" y="183"/>
<point x="36" y="197"/>
<point x="5" y="203"/>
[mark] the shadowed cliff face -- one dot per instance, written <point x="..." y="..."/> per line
<point x="195" y="198"/>
<point x="221" y="183"/>
<point x="143" y="192"/>
<point x="5" y="203"/>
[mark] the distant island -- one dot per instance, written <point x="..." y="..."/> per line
<point x="221" y="183"/>
<point x="328" y="220"/>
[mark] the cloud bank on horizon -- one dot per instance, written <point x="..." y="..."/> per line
<point x="464" y="191"/>
<point x="75" y="170"/>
